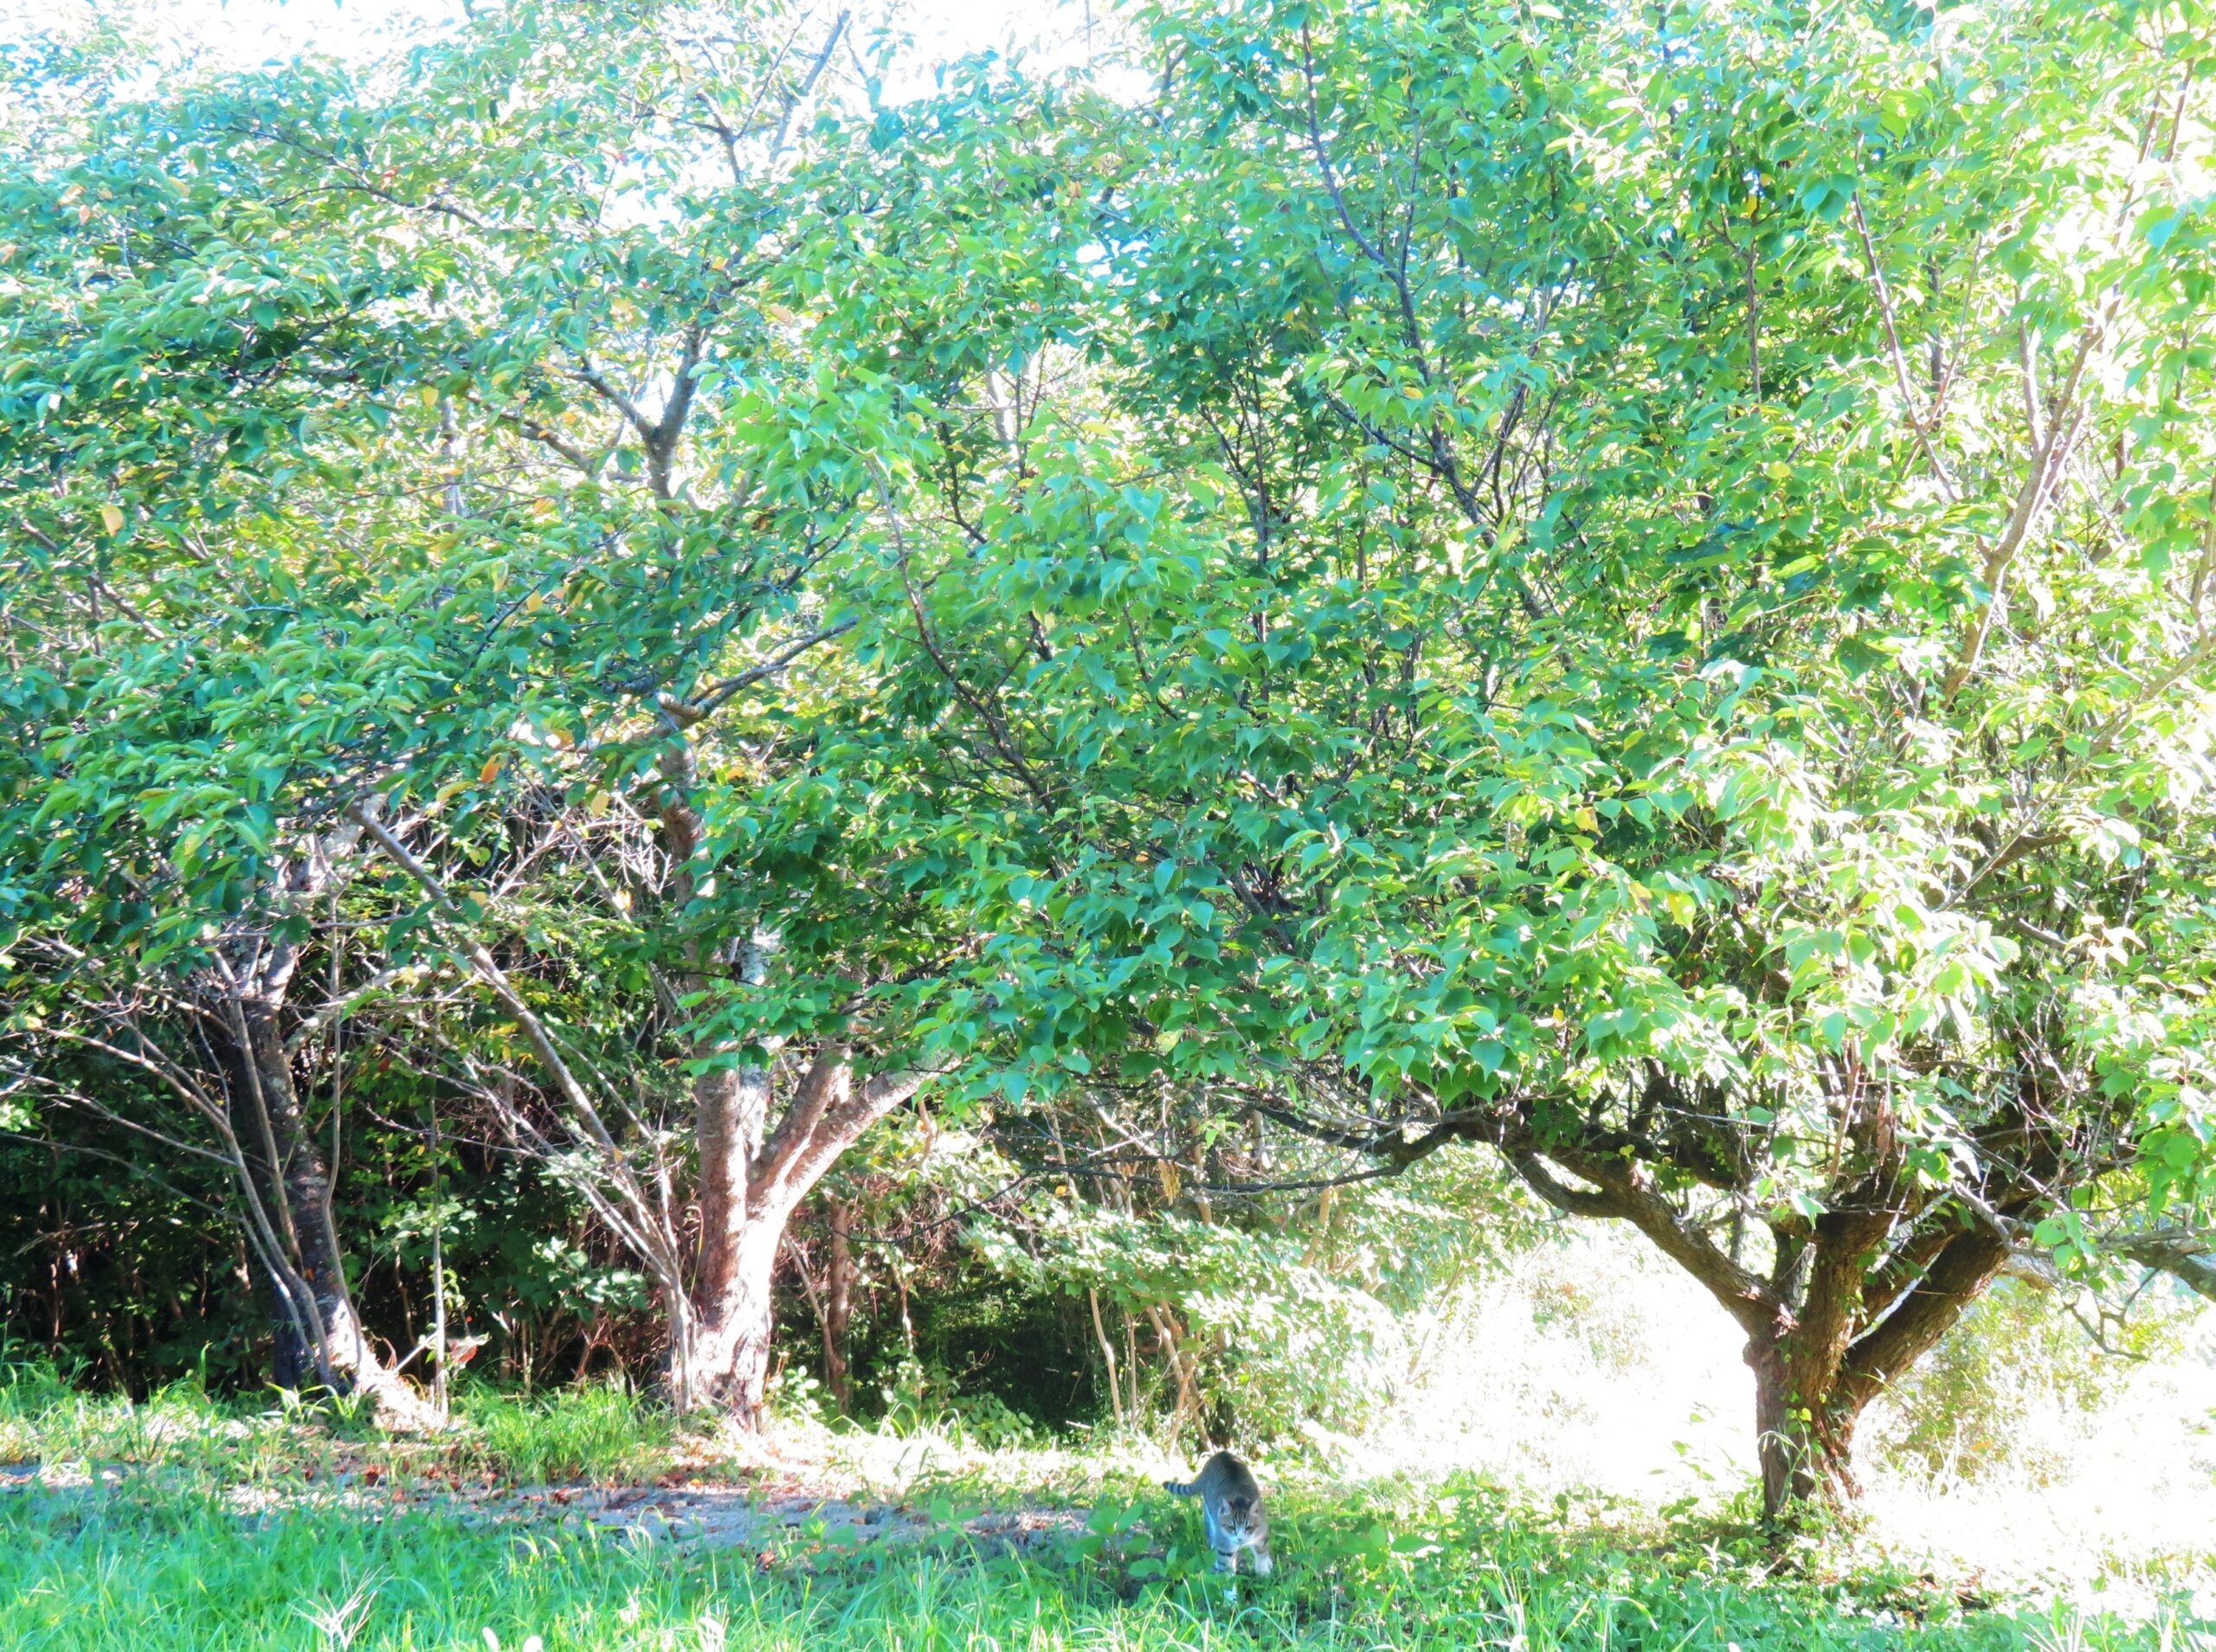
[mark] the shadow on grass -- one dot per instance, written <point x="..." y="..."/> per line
<point x="208" y="1529"/>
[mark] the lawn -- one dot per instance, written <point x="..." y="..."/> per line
<point x="186" y="1524"/>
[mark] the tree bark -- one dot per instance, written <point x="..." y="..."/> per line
<point x="1784" y="1469"/>
<point x="734" y="1318"/>
<point x="1814" y="1381"/>
<point x="720" y="1307"/>
<point x="729" y="1106"/>
<point x="1804" y="1438"/>
<point x="319" y="1338"/>
<point x="726" y="1360"/>
<point x="285" y="1184"/>
<point x="838" y="1306"/>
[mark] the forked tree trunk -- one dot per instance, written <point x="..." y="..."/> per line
<point x="1854" y="1299"/>
<point x="747" y="1199"/>
<point x="752" y="1178"/>
<point x="284" y="1185"/>
<point x="1856" y="1331"/>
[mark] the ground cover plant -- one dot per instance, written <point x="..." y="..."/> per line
<point x="188" y="1519"/>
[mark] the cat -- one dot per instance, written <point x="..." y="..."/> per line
<point x="1231" y="1508"/>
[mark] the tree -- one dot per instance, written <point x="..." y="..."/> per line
<point x="1626" y="589"/>
<point x="1629" y="586"/>
<point x="152" y="388"/>
<point x="407" y="459"/>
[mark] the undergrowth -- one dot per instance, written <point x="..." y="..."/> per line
<point x="600" y="1433"/>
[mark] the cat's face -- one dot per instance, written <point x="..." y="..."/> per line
<point x="1239" y="1516"/>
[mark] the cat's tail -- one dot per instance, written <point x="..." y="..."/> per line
<point x="1188" y="1488"/>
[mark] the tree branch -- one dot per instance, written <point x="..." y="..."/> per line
<point x="1962" y="1271"/>
<point x="1900" y="361"/>
<point x="1742" y="1294"/>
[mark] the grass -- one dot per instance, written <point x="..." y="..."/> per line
<point x="157" y="1569"/>
<point x="182" y="1523"/>
<point x="599" y="1433"/>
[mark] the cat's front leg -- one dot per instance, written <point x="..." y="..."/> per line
<point x="1226" y="1560"/>
<point x="1262" y="1561"/>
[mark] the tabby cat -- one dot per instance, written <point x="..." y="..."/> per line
<point x="1231" y="1508"/>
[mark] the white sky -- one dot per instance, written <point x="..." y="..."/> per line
<point x="239" y="33"/>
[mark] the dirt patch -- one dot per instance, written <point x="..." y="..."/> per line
<point x="780" y="1516"/>
<point x="798" y="1498"/>
<point x="776" y="1522"/>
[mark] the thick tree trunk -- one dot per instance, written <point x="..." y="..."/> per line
<point x="1805" y="1445"/>
<point x="726" y="1361"/>
<point x="729" y="1107"/>
<point x="751" y="1179"/>
<point x="1813" y="1383"/>
<point x="1783" y="1476"/>
<point x="733" y="1318"/>
<point x="721" y="1356"/>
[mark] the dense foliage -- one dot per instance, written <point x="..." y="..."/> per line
<point x="1630" y="591"/>
<point x="740" y="680"/>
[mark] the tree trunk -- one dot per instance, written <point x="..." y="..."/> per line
<point x="733" y="1318"/>
<point x="1852" y="1300"/>
<point x="1813" y="1383"/>
<point x="1805" y="1442"/>
<point x="838" y="1307"/>
<point x="284" y="1185"/>
<point x="1781" y="1443"/>
<point x="721" y="1358"/>
<point x="319" y="1340"/>
<point x="729" y="1107"/>
<point x="752" y="1178"/>
<point x="727" y="1360"/>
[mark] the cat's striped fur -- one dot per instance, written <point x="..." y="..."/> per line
<point x="1231" y="1508"/>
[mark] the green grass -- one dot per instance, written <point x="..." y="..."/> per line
<point x="142" y="1568"/>
<point x="599" y="1433"/>
<point x="208" y="1538"/>
<point x="44" y="1420"/>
